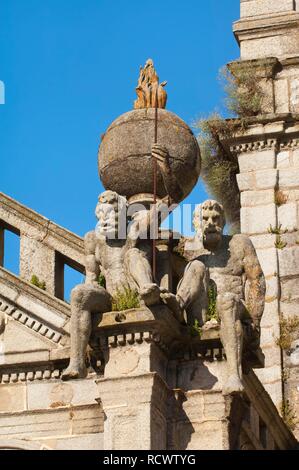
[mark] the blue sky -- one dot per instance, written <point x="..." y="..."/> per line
<point x="70" y="67"/>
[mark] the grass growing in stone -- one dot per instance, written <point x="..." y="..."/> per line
<point x="288" y="330"/>
<point x="288" y="414"/>
<point x="212" y="313"/>
<point x="125" y="298"/>
<point x="279" y="243"/>
<point x="219" y="164"/>
<point x="36" y="282"/>
<point x="102" y="280"/>
<point x="196" y="330"/>
<point x="277" y="230"/>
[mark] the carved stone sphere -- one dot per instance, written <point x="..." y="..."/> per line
<point x="125" y="163"/>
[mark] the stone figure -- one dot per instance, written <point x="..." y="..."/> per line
<point x="236" y="275"/>
<point x="150" y="94"/>
<point x="124" y="259"/>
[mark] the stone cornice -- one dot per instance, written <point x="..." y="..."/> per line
<point x="273" y="131"/>
<point x="20" y="286"/>
<point x="266" y="24"/>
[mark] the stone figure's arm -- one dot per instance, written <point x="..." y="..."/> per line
<point x="91" y="265"/>
<point x="172" y="186"/>
<point x="255" y="281"/>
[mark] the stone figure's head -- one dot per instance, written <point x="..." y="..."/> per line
<point x="209" y="221"/>
<point x="109" y="211"/>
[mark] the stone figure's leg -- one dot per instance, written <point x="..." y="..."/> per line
<point x="232" y="338"/>
<point x="85" y="300"/>
<point x="139" y="268"/>
<point x="192" y="292"/>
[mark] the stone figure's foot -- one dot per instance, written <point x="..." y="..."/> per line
<point x="150" y="294"/>
<point x="72" y="373"/>
<point x="173" y="304"/>
<point x="233" y="385"/>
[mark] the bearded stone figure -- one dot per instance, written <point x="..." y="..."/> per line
<point x="233" y="270"/>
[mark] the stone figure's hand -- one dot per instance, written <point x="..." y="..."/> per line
<point x="160" y="153"/>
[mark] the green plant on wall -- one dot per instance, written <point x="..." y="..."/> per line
<point x="36" y="282"/>
<point x="125" y="298"/>
<point x="279" y="243"/>
<point x="288" y="414"/>
<point x="195" y="330"/>
<point x="102" y="280"/>
<point x="220" y="164"/>
<point x="212" y="302"/>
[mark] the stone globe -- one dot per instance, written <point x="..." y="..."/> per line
<point x="124" y="158"/>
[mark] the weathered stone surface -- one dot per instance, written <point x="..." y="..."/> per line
<point x="287" y="216"/>
<point x="283" y="159"/>
<point x="272" y="355"/>
<point x="12" y="398"/>
<point x="272" y="289"/>
<point x="84" y="442"/>
<point x="55" y="422"/>
<point x="263" y="241"/>
<point x="253" y="161"/>
<point x="268" y="260"/>
<point x="270" y="315"/>
<point x="125" y="165"/>
<point x="39" y="260"/>
<point x="269" y="335"/>
<point x="289" y="261"/>
<point x="281" y="96"/>
<point x="257" y="198"/>
<point x="43" y="395"/>
<point x="258" y="219"/>
<point x="200" y="374"/>
<point x="273" y="388"/>
<point x="290" y="289"/>
<point x="264" y="7"/>
<point x="288" y="178"/>
<point x="246" y="181"/>
<point x="266" y="179"/>
<point x="296" y="157"/>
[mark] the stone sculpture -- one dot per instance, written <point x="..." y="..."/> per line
<point x="236" y="275"/>
<point x="124" y="158"/>
<point x="150" y="94"/>
<point x="119" y="250"/>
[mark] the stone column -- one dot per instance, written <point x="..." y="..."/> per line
<point x="135" y="412"/>
<point x="133" y="392"/>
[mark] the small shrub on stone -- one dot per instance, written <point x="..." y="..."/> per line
<point x="279" y="243"/>
<point x="219" y="164"/>
<point x="280" y="198"/>
<point x="36" y="282"/>
<point x="288" y="414"/>
<point x="102" y="280"/>
<point x="212" y="313"/>
<point x="195" y="330"/>
<point x="125" y="298"/>
<point x="288" y="329"/>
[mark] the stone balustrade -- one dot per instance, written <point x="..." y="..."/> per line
<point x="45" y="247"/>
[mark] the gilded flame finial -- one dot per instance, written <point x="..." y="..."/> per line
<point x="150" y="94"/>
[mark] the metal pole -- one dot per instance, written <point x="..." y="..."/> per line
<point x="155" y="189"/>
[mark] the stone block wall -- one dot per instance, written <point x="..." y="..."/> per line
<point x="51" y="415"/>
<point x="269" y="184"/>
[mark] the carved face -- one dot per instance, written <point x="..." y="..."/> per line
<point x="209" y="221"/>
<point x="212" y="226"/>
<point x="107" y="211"/>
